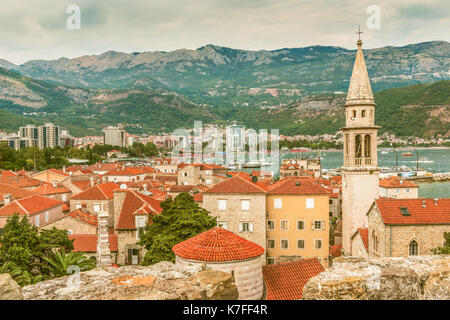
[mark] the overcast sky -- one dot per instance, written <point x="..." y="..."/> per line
<point x="36" y="29"/>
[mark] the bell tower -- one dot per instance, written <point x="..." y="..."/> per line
<point x="360" y="172"/>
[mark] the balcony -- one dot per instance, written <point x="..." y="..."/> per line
<point x="361" y="161"/>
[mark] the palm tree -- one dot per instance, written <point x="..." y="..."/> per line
<point x="60" y="262"/>
<point x="22" y="277"/>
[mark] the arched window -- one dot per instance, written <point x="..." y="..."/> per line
<point x="367" y="146"/>
<point x="363" y="113"/>
<point x="374" y="242"/>
<point x="354" y="113"/>
<point x="358" y="151"/>
<point x="413" y="248"/>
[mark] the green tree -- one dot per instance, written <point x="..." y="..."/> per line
<point x="55" y="239"/>
<point x="445" y="249"/>
<point x="20" y="243"/>
<point x="181" y="219"/>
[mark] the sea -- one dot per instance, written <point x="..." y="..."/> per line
<point x="431" y="159"/>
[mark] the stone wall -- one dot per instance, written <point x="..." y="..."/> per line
<point x="161" y="281"/>
<point x="413" y="278"/>
<point x="247" y="274"/>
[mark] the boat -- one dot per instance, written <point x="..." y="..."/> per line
<point x="407" y="154"/>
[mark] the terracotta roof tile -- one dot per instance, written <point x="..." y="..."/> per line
<point x="29" y="205"/>
<point x="84" y="216"/>
<point x="20" y="181"/>
<point x="198" y="197"/>
<point x="236" y="184"/>
<point x="434" y="212"/>
<point x="16" y="193"/>
<point x="48" y="189"/>
<point x="217" y="244"/>
<point x="103" y="191"/>
<point x="285" y="281"/>
<point x="395" y="182"/>
<point x="297" y="185"/>
<point x="88" y="242"/>
<point x="136" y="203"/>
<point x="82" y="184"/>
<point x="335" y="250"/>
<point x="364" y="233"/>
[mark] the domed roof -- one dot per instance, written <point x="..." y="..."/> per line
<point x="217" y="244"/>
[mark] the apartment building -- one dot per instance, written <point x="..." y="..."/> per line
<point x="297" y="221"/>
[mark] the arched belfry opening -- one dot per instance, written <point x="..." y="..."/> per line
<point x="358" y="146"/>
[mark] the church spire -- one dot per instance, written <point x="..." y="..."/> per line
<point x="359" y="91"/>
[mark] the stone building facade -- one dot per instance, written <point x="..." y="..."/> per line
<point x="395" y="232"/>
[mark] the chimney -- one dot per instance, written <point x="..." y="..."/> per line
<point x="7" y="199"/>
<point x="64" y="169"/>
<point x="145" y="186"/>
<point x="436" y="201"/>
<point x="91" y="179"/>
<point x="401" y="181"/>
<point x="103" y="251"/>
<point x="55" y="184"/>
<point x="424" y="203"/>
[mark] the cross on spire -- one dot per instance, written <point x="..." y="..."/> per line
<point x="359" y="32"/>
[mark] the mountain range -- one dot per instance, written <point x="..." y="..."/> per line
<point x="299" y="91"/>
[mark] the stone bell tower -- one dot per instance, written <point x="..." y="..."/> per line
<point x="360" y="172"/>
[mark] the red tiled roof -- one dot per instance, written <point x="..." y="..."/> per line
<point x="364" y="233"/>
<point x="198" y="197"/>
<point x="180" y="188"/>
<point x="65" y="207"/>
<point x="289" y="186"/>
<point x="29" y="205"/>
<point x="431" y="213"/>
<point x="127" y="171"/>
<point x="88" y="242"/>
<point x="217" y="244"/>
<point x="285" y="281"/>
<point x="48" y="189"/>
<point x="7" y="173"/>
<point x="20" y="181"/>
<point x="84" y="216"/>
<point x="136" y="203"/>
<point x="335" y="250"/>
<point x="103" y="191"/>
<point x="82" y="184"/>
<point x="395" y="182"/>
<point x="16" y="193"/>
<point x="236" y="184"/>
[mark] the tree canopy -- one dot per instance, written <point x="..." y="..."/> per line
<point x="182" y="218"/>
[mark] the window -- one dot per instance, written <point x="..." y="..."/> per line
<point x="245" y="205"/>
<point x="284" y="225"/>
<point x="284" y="244"/>
<point x="331" y="201"/>
<point x="208" y="181"/>
<point x="407" y="189"/>
<point x="270" y="243"/>
<point x="222" y="224"/>
<point x="309" y="203"/>
<point x="277" y="203"/>
<point x="46" y="217"/>
<point x="300" y="244"/>
<point x="96" y="208"/>
<point x="270" y="260"/>
<point x="78" y="206"/>
<point x="185" y="174"/>
<point x="354" y="113"/>
<point x="413" y="248"/>
<point x="318" y="225"/>
<point x="208" y="172"/>
<point x="245" y="226"/>
<point x="363" y="113"/>
<point x="140" y="226"/>
<point x="70" y="232"/>
<point x="222" y="204"/>
<point x="318" y="244"/>
<point x="36" y="221"/>
<point x="270" y="225"/>
<point x="398" y="190"/>
<point x="300" y="225"/>
<point x="64" y="197"/>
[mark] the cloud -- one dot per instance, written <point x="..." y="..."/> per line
<point x="37" y="29"/>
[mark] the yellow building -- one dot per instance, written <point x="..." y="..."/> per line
<point x="297" y="221"/>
